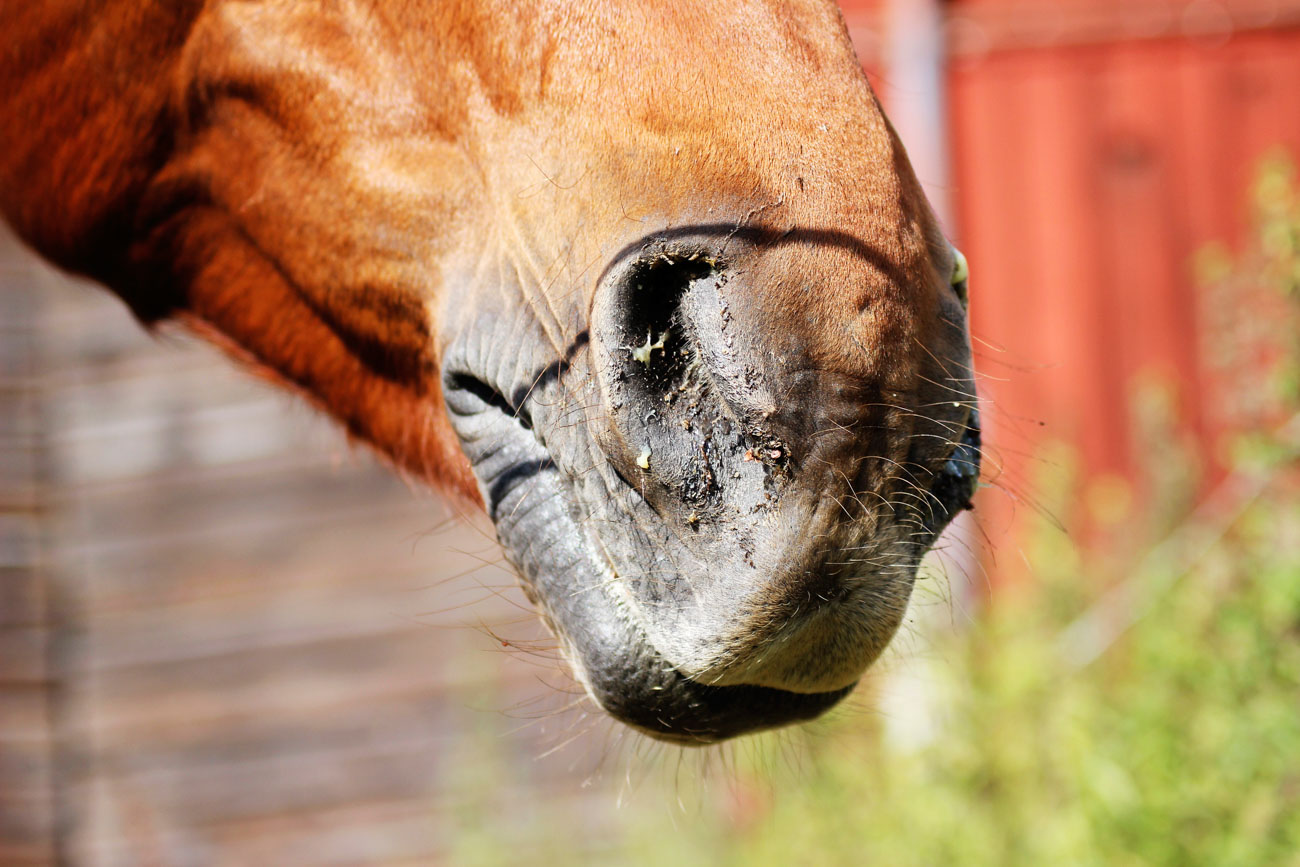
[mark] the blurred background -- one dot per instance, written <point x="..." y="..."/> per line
<point x="229" y="638"/>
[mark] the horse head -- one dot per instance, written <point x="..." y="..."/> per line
<point x="652" y="281"/>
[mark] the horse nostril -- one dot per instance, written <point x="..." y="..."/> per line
<point x="655" y="341"/>
<point x="666" y="427"/>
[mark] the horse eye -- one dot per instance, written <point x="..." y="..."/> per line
<point x="960" y="274"/>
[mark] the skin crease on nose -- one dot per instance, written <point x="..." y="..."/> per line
<point x="651" y="281"/>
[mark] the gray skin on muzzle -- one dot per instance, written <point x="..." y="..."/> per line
<point x="722" y="537"/>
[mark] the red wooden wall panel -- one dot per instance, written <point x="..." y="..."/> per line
<point x="1096" y="145"/>
<point x="1086" y="178"/>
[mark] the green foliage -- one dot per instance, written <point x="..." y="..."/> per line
<point x="1251" y="308"/>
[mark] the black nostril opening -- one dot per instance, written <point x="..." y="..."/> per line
<point x="665" y="425"/>
<point x="654" y="337"/>
<point x="486" y="395"/>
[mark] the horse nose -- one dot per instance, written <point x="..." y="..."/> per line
<point x="689" y="417"/>
<point x="716" y="416"/>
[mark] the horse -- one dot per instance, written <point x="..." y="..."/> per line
<point x="651" y="282"/>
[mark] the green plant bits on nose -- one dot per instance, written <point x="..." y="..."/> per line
<point x="960" y="274"/>
<point x="960" y="270"/>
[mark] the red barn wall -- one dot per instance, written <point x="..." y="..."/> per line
<point x="1095" y="147"/>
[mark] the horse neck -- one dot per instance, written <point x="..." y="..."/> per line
<point x="84" y="98"/>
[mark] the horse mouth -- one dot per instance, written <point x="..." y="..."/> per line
<point x="708" y="575"/>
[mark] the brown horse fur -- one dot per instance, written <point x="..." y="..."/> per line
<point x="331" y="190"/>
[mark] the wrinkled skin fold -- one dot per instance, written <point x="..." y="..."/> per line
<point x="653" y="281"/>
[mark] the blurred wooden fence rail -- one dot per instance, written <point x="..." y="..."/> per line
<point x="27" y="692"/>
<point x="226" y="637"/>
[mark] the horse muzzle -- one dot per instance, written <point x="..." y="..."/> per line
<point x="721" y="525"/>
